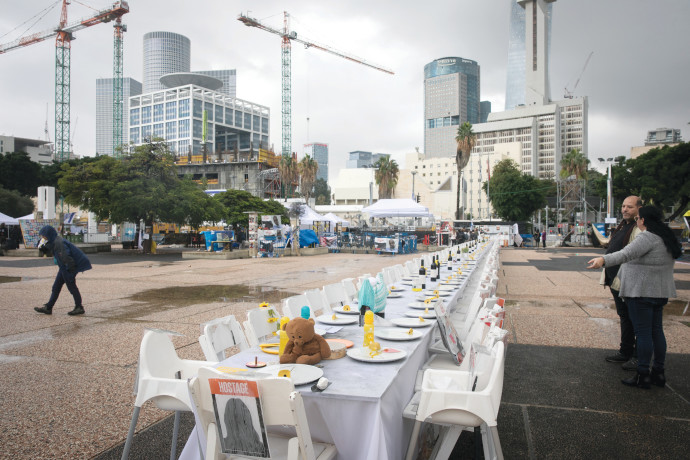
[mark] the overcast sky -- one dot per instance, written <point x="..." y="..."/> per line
<point x="636" y="80"/>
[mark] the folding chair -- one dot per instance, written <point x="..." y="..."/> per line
<point x="317" y="302"/>
<point x="262" y="324"/>
<point x="292" y="306"/>
<point x="221" y="334"/>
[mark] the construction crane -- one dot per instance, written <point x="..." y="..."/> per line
<point x="64" y="36"/>
<point x="287" y="37"/>
<point x="569" y="94"/>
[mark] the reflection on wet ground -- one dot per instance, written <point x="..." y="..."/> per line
<point x="157" y="300"/>
<point x="10" y="279"/>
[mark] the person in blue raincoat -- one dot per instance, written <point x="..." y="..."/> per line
<point x="70" y="260"/>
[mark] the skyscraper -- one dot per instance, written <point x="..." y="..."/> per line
<point x="451" y="97"/>
<point x="319" y="152"/>
<point x="164" y="53"/>
<point x="515" y="71"/>
<point x="104" y="112"/>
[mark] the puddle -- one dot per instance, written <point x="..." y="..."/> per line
<point x="10" y="279"/>
<point x="158" y="300"/>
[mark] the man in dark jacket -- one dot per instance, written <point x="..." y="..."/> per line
<point x="70" y="260"/>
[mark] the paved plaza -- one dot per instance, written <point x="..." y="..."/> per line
<point x="67" y="382"/>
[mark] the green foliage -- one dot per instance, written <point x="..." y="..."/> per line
<point x="513" y="195"/>
<point x="386" y="176"/>
<point x="143" y="185"/>
<point x="466" y="139"/>
<point x="307" y="168"/>
<point x="322" y="192"/>
<point x="18" y="172"/>
<point x="14" y="204"/>
<point x="662" y="176"/>
<point x="574" y="163"/>
<point x="239" y="202"/>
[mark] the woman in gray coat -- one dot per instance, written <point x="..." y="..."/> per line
<point x="646" y="278"/>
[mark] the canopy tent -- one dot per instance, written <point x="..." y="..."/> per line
<point x="7" y="220"/>
<point x="335" y="219"/>
<point x="401" y="207"/>
<point x="309" y="216"/>
<point x="26" y="217"/>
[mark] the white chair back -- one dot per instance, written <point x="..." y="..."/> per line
<point x="335" y="294"/>
<point x="317" y="302"/>
<point x="350" y="289"/>
<point x="221" y="334"/>
<point x="262" y="324"/>
<point x="281" y="405"/>
<point x="292" y="306"/>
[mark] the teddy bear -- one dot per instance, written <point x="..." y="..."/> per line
<point x="304" y="345"/>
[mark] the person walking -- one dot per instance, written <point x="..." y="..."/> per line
<point x="621" y="236"/>
<point x="646" y="278"/>
<point x="543" y="239"/>
<point x="70" y="261"/>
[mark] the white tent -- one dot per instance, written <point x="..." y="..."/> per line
<point x="335" y="219"/>
<point x="309" y="216"/>
<point x="401" y="207"/>
<point x="26" y="217"/>
<point x="7" y="220"/>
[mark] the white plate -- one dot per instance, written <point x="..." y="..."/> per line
<point x="394" y="295"/>
<point x="394" y="333"/>
<point x="420" y="305"/>
<point x="397" y="289"/>
<point x="362" y="354"/>
<point x="300" y="374"/>
<point x="412" y="322"/>
<point x="340" y="320"/>
<point x="418" y="313"/>
<point x="353" y="310"/>
<point x="408" y="283"/>
<point x="430" y="292"/>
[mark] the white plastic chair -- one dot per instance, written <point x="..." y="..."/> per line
<point x="447" y="398"/>
<point x="317" y="302"/>
<point x="162" y="378"/>
<point x="335" y="294"/>
<point x="350" y="289"/>
<point x="262" y="325"/>
<point x="221" y="334"/>
<point x="281" y="405"/>
<point x="292" y="306"/>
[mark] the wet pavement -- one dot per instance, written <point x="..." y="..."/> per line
<point x="68" y="381"/>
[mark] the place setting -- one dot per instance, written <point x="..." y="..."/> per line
<point x="346" y="310"/>
<point x="397" y="334"/>
<point x="338" y="320"/>
<point x="412" y="322"/>
<point x="380" y="355"/>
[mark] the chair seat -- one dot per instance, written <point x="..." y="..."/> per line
<point x="279" y="449"/>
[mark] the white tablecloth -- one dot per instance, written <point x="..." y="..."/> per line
<point x="361" y="411"/>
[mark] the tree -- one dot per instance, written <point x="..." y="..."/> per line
<point x="515" y="196"/>
<point x="143" y="186"/>
<point x="307" y="168"/>
<point x="386" y="176"/>
<point x="289" y="174"/>
<point x="14" y="204"/>
<point x="18" y="172"/>
<point x="662" y="176"/>
<point x="466" y="140"/>
<point x="322" y="192"/>
<point x="237" y="203"/>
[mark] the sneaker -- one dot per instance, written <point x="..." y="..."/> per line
<point x="617" y="358"/>
<point x="630" y="365"/>
<point x="76" y="311"/>
<point x="44" y="309"/>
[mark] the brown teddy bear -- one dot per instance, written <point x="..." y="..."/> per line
<point x="304" y="345"/>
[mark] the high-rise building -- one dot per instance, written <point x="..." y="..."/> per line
<point x="104" y="112"/>
<point x="451" y="97"/>
<point x="515" y="71"/>
<point x="362" y="159"/>
<point x="164" y="53"/>
<point x="227" y="76"/>
<point x="319" y="152"/>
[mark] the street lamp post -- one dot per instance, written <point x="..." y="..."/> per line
<point x="414" y="173"/>
<point x="609" y="188"/>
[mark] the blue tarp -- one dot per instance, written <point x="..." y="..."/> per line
<point x="307" y="237"/>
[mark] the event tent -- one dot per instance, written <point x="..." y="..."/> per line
<point x="335" y="219"/>
<point x="7" y="220"/>
<point x="400" y="207"/>
<point x="309" y="216"/>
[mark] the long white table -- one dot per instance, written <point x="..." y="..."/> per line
<point x="361" y="411"/>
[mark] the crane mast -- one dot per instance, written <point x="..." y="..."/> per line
<point x="287" y="37"/>
<point x="63" y="43"/>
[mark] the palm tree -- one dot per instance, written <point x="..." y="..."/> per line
<point x="574" y="167"/>
<point x="466" y="140"/>
<point x="386" y="176"/>
<point x="288" y="173"/>
<point x="308" y="168"/>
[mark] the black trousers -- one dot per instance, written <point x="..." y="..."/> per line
<point x="627" y="347"/>
<point x="71" y="282"/>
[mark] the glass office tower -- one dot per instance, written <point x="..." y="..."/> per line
<point x="104" y="112"/>
<point x="164" y="53"/>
